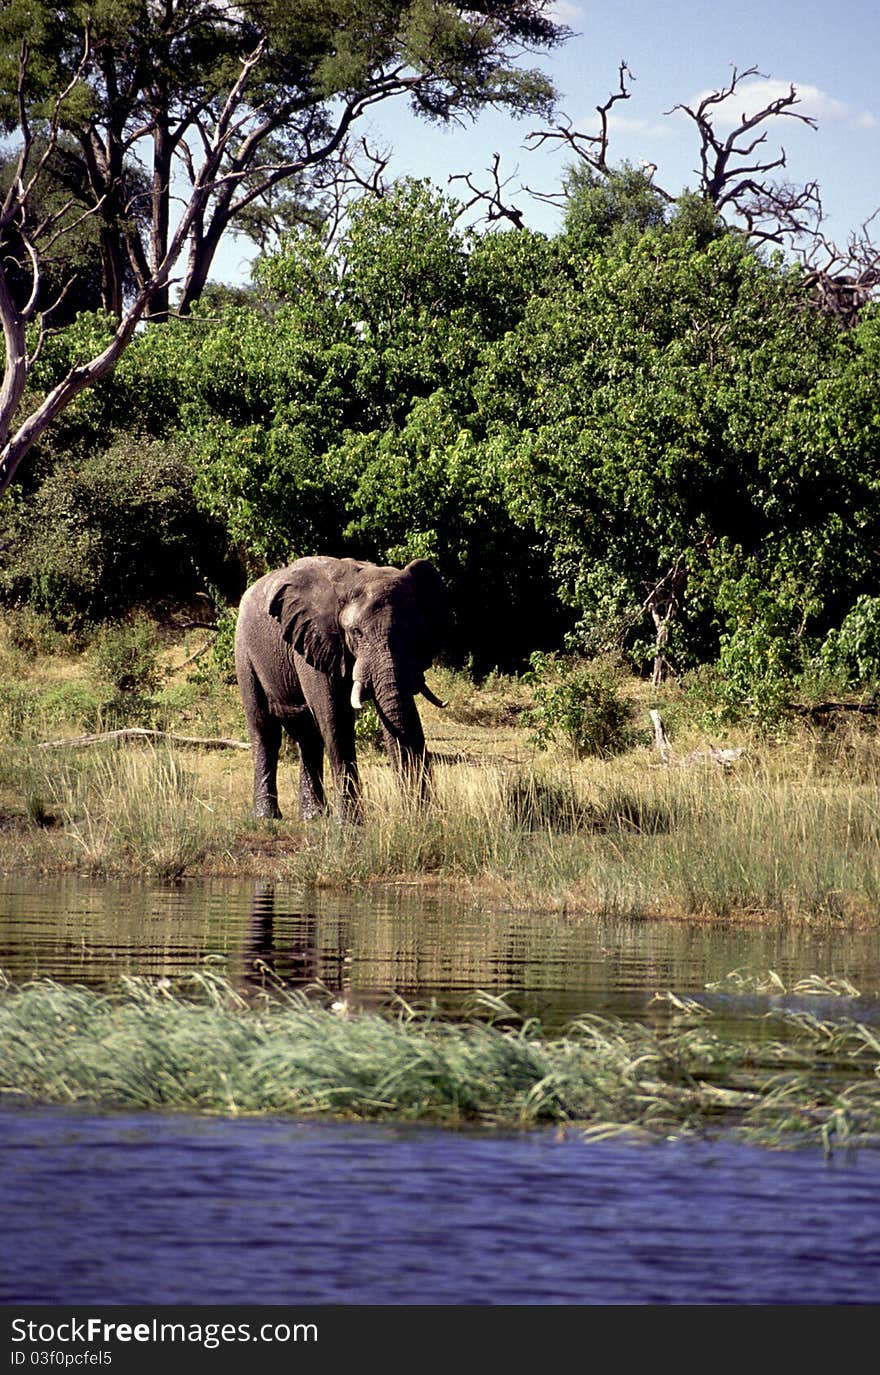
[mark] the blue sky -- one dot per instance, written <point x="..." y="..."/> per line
<point x="677" y="50"/>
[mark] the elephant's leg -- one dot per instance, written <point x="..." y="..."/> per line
<point x="342" y="758"/>
<point x="266" y="744"/>
<point x="312" y="801"/>
<point x="332" y="718"/>
<point x="264" y="733"/>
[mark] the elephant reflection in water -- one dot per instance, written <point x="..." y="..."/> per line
<point x="288" y="947"/>
<point x="313" y="642"/>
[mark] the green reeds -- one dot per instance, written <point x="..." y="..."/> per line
<point x="203" y="1047"/>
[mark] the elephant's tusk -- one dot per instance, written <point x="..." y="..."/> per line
<point x="435" y="701"/>
<point x="357" y="694"/>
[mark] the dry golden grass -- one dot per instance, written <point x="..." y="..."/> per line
<point x="790" y="831"/>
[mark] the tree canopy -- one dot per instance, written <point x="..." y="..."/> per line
<point x="176" y="119"/>
<point x="647" y="431"/>
<point x="639" y="425"/>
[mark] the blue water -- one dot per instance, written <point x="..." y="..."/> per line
<point x="152" y="1209"/>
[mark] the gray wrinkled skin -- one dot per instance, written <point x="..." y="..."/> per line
<point x="313" y="642"/>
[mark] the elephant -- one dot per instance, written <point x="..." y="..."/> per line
<point x="313" y="642"/>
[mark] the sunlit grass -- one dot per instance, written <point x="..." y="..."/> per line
<point x="203" y="1047"/>
<point x="139" y="812"/>
<point x="791" y="831"/>
<point x="625" y="840"/>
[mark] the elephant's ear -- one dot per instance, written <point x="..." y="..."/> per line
<point x="433" y="602"/>
<point x="306" y="605"/>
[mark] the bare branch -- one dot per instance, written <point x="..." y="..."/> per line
<point x="593" y="148"/>
<point x="24" y="190"/>
<point x="497" y="208"/>
<point x="843" y="280"/>
<point x="772" y="211"/>
<point x="362" y="171"/>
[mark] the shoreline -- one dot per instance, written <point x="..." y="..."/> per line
<point x="727" y="826"/>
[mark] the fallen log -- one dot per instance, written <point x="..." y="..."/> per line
<point x="141" y="733"/>
<point x="825" y="708"/>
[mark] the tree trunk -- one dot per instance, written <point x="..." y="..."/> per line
<point x="160" y="195"/>
<point x="203" y="247"/>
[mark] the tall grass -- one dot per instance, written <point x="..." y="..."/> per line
<point x="209" y="1050"/>
<point x="791" y="832"/>
<point x="135" y="811"/>
<point x="642" y="842"/>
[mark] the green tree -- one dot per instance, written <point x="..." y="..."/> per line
<point x="622" y="204"/>
<point x="234" y="102"/>
<point x="118" y="529"/>
<point x="649" y="410"/>
<point x="340" y="417"/>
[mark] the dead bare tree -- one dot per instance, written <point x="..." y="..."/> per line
<point x="663" y="602"/>
<point x="843" y="280"/>
<point x="771" y="210"/>
<point x="593" y="149"/>
<point x="735" y="176"/>
<point x="497" y="208"/>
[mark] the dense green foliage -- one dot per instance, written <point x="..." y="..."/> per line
<point x="557" y="422"/>
<point x="580" y="706"/>
<point x="116" y="529"/>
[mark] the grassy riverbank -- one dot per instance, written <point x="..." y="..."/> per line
<point x="789" y="830"/>
<point x="204" y="1048"/>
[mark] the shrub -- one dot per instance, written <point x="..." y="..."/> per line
<point x="29" y="712"/>
<point x="105" y="534"/>
<point x="853" y="651"/>
<point x="581" y="706"/>
<point x="126" y="655"/>
<point x="30" y="633"/>
<point x="367" y="728"/>
<point x="223" y="648"/>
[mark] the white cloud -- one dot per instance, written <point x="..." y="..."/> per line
<point x="565" y="11"/>
<point x="753" y="96"/>
<point x="649" y="128"/>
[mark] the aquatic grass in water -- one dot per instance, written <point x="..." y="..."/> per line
<point x="202" y="1047"/>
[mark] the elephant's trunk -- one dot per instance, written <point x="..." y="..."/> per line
<point x="402" y="728"/>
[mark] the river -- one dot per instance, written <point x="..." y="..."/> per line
<point x="151" y="1208"/>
